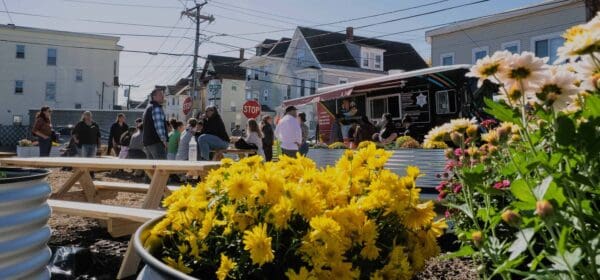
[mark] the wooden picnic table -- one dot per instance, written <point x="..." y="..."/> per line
<point x="158" y="170"/>
<point x="7" y="154"/>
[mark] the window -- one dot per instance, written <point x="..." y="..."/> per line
<point x="288" y="92"/>
<point x="300" y="57"/>
<point x="249" y="74"/>
<point x="248" y="95"/>
<point x="479" y="53"/>
<point x="313" y="86"/>
<point x="547" y="45"/>
<point x="51" y="60"/>
<point x="342" y="81"/>
<point x="265" y="95"/>
<point x="19" y="87"/>
<point x="384" y="104"/>
<point x="301" y="87"/>
<point x="513" y="46"/>
<point x="378" y="62"/>
<point x="445" y="102"/>
<point x="447" y="59"/>
<point x="115" y="68"/>
<point x="78" y="75"/>
<point x="50" y="91"/>
<point x="77" y="105"/>
<point x="20" y="51"/>
<point x="232" y="126"/>
<point x="365" y="59"/>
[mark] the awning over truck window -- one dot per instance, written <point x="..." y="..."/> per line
<point x="319" y="97"/>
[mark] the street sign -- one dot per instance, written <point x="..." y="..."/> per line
<point x="251" y="109"/>
<point x="187" y="105"/>
<point x="214" y="87"/>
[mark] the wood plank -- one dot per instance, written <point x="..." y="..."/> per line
<point x="120" y="227"/>
<point x="69" y="183"/>
<point x="130" y="262"/>
<point x="87" y="184"/>
<point x="111" y="164"/>
<point x="126" y="187"/>
<point x="103" y="212"/>
<point x="157" y="190"/>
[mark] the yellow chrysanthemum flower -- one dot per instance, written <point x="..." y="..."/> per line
<point x="344" y="271"/>
<point x="419" y="215"/>
<point x="303" y="274"/>
<point x="226" y="266"/>
<point x="306" y="201"/>
<point x="178" y="264"/>
<point x="436" y="229"/>
<point x="413" y="171"/>
<point x="258" y="243"/>
<point x="324" y="228"/>
<point x="370" y="252"/>
<point x="280" y="213"/>
<point x="238" y="186"/>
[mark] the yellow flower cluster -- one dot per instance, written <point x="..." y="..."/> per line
<point x="354" y="219"/>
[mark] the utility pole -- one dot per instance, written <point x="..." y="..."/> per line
<point x="129" y="92"/>
<point x="194" y="14"/>
<point x="102" y="96"/>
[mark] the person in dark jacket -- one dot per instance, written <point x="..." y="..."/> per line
<point x="155" y="127"/>
<point x="214" y="135"/>
<point x="388" y="133"/>
<point x="87" y="135"/>
<point x="364" y="131"/>
<point x="42" y="128"/>
<point x="116" y="131"/>
<point x="268" y="136"/>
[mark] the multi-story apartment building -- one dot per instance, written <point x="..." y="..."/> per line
<point x="65" y="70"/>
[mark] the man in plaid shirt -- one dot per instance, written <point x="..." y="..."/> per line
<point x="155" y="128"/>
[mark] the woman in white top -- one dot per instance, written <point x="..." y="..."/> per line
<point x="254" y="136"/>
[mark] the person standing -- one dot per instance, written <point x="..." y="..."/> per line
<point x="304" y="144"/>
<point x="387" y="133"/>
<point x="116" y="131"/>
<point x="136" y="144"/>
<point x="174" y="140"/>
<point x="254" y="136"/>
<point x="267" y="141"/>
<point x="184" y="140"/>
<point x="42" y="128"/>
<point x="289" y="133"/>
<point x="213" y="135"/>
<point x="87" y="135"/>
<point x="155" y="127"/>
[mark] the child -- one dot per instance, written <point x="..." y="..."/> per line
<point x="254" y="136"/>
<point x="185" y="138"/>
<point x="174" y="139"/>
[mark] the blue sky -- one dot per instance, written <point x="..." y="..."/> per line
<point x="232" y="17"/>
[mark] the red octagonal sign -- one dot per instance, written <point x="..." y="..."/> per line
<point x="187" y="105"/>
<point x="251" y="109"/>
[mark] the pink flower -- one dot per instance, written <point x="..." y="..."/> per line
<point x="505" y="183"/>
<point x="457" y="188"/>
<point x="488" y="123"/>
<point x="447" y="214"/>
<point x="441" y="195"/>
<point x="458" y="152"/>
<point x="441" y="186"/>
<point x="502" y="184"/>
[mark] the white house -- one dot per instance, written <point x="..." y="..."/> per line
<point x="65" y="70"/>
<point x="536" y="28"/>
<point x="174" y="99"/>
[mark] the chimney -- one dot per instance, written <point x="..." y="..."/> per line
<point x="241" y="53"/>
<point x="350" y="33"/>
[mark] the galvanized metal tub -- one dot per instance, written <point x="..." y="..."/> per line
<point x="155" y="269"/>
<point x="431" y="162"/>
<point x="24" y="232"/>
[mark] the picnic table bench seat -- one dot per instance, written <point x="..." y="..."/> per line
<point x="125" y="187"/>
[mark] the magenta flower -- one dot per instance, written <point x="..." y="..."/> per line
<point x="502" y="184"/>
<point x="457" y="188"/>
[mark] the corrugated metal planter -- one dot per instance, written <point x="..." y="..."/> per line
<point x="24" y="232"/>
<point x="155" y="269"/>
<point x="430" y="161"/>
<point x="34" y="151"/>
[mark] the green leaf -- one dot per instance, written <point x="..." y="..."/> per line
<point x="463" y="208"/>
<point x="520" y="244"/>
<point x="555" y="193"/>
<point x="507" y="265"/>
<point x="568" y="259"/>
<point x="501" y="111"/>
<point x="541" y="189"/>
<point x="534" y="263"/>
<point x="464" y="251"/>
<point x="591" y="107"/>
<point x="565" y="130"/>
<point x="586" y="207"/>
<point x="562" y="241"/>
<point x="521" y="191"/>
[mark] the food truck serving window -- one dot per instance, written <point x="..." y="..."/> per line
<point x="384" y="104"/>
<point x="445" y="101"/>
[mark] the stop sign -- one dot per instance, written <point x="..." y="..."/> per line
<point x="251" y="109"/>
<point x="187" y="105"/>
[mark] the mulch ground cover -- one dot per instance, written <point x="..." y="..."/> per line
<point x="99" y="255"/>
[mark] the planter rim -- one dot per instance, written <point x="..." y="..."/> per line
<point x="32" y="174"/>
<point x="149" y="259"/>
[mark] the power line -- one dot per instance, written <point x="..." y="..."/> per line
<point x="121" y="4"/>
<point x="7" y="12"/>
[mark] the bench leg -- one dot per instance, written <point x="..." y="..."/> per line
<point x="69" y="183"/>
<point x="121" y="227"/>
<point x="87" y="184"/>
<point x="156" y="190"/>
<point x="130" y="262"/>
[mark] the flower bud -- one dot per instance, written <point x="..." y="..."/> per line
<point x="457" y="138"/>
<point x="477" y="238"/>
<point x="472" y="130"/>
<point x="449" y="153"/>
<point x="492" y="149"/>
<point x="473" y="151"/>
<point x="544" y="208"/>
<point x="503" y="133"/>
<point x="516" y="137"/>
<point x="511" y="218"/>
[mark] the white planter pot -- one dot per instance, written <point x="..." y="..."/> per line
<point x="24" y="232"/>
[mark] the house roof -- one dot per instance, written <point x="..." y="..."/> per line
<point x="58" y="32"/>
<point x="478" y="21"/>
<point x="330" y="48"/>
<point x="225" y="66"/>
<point x="280" y="47"/>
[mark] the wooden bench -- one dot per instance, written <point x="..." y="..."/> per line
<point x="125" y="187"/>
<point x="219" y="154"/>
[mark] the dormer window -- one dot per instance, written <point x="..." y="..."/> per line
<point x="372" y="58"/>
